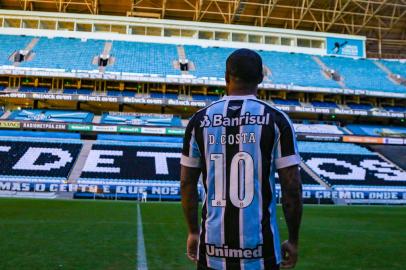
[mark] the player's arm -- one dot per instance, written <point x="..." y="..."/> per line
<point x="190" y="196"/>
<point x="287" y="160"/>
<point x="291" y="186"/>
<point x="190" y="201"/>
<point x="189" y="177"/>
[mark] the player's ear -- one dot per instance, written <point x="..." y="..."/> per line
<point x="227" y="76"/>
<point x="260" y="78"/>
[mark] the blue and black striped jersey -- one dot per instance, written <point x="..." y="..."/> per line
<point x="239" y="142"/>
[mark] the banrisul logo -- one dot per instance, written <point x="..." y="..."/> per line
<point x="205" y="122"/>
<point x="219" y="120"/>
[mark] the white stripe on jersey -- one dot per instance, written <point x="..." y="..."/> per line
<point x="223" y="210"/>
<point x="206" y="146"/>
<point x="259" y="153"/>
<point x="241" y="214"/>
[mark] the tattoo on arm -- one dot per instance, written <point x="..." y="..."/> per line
<point x="190" y="198"/>
<point x="291" y="186"/>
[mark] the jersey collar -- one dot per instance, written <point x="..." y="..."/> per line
<point x="239" y="97"/>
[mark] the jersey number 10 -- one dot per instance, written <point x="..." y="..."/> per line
<point x="242" y="166"/>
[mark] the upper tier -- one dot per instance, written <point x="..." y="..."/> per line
<point x="160" y="60"/>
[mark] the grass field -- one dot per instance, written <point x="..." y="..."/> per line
<point x="43" y="234"/>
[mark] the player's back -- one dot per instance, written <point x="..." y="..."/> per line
<point x="238" y="143"/>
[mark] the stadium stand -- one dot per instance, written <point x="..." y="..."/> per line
<point x="154" y="59"/>
<point x="9" y="44"/>
<point x="198" y="97"/>
<point x="396" y="67"/>
<point x="162" y="95"/>
<point x="289" y="102"/>
<point x="303" y="70"/>
<point x="357" y="106"/>
<point x="159" y="162"/>
<point x="395" y="108"/>
<point x="357" y="74"/>
<point x="324" y="104"/>
<point x="395" y="153"/>
<point x="78" y="91"/>
<point x="51" y="116"/>
<point x="209" y="62"/>
<point x="318" y="128"/>
<point x="33" y="89"/>
<point x="151" y="58"/>
<point x="32" y="159"/>
<point x="141" y="119"/>
<point x="65" y="53"/>
<point x="346" y="164"/>
<point x="376" y="130"/>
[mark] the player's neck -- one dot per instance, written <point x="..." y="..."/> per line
<point x="242" y="92"/>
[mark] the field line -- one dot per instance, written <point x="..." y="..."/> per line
<point x="141" y="253"/>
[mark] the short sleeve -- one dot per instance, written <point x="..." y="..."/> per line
<point x="190" y="153"/>
<point x="286" y="153"/>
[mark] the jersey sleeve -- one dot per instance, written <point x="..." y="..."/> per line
<point x="286" y="153"/>
<point x="190" y="153"/>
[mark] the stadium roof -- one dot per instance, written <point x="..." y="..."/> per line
<point x="383" y="22"/>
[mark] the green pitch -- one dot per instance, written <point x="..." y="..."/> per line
<point x="44" y="234"/>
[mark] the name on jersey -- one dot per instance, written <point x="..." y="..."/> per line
<point x="241" y="253"/>
<point x="244" y="137"/>
<point x="218" y="120"/>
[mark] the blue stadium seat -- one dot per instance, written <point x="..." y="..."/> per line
<point x="128" y="93"/>
<point x="395" y="108"/>
<point x="289" y="102"/>
<point x="34" y="159"/>
<point x="324" y="104"/>
<point x="125" y="156"/>
<point x="376" y="130"/>
<point x="357" y="106"/>
<point x="65" y="53"/>
<point x="144" y="58"/>
<point x="52" y="116"/>
<point x="113" y="93"/>
<point x="362" y="74"/>
<point x="140" y="120"/>
<point x="396" y="67"/>
<point x="84" y="91"/>
<point x="34" y="89"/>
<point x="209" y="62"/>
<point x="9" y="44"/>
<point x="318" y="128"/>
<point x="70" y="91"/>
<point x="156" y="95"/>
<point x="295" y="69"/>
<point x="346" y="164"/>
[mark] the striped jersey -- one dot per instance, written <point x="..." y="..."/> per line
<point x="239" y="142"/>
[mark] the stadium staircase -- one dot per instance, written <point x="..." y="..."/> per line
<point x="347" y="130"/>
<point x="5" y="115"/>
<point x="391" y="75"/>
<point x="96" y="119"/>
<point x="314" y="175"/>
<point x="181" y="57"/>
<point x="106" y="51"/>
<point x="80" y="162"/>
<point x="397" y="154"/>
<point x="30" y="46"/>
<point x="326" y="70"/>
